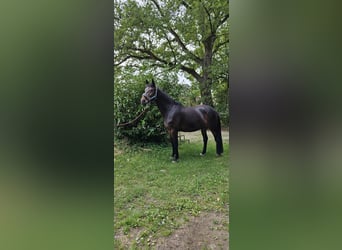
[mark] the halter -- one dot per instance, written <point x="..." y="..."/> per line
<point x="150" y="99"/>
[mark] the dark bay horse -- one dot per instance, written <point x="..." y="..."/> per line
<point x="187" y="119"/>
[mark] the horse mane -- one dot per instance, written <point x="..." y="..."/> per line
<point x="169" y="98"/>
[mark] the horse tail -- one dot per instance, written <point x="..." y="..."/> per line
<point x="219" y="143"/>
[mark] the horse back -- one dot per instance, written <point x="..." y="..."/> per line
<point x="190" y="119"/>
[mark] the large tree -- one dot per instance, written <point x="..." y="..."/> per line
<point x="189" y="36"/>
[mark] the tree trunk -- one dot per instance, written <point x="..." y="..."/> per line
<point x="206" y="83"/>
<point x="205" y="90"/>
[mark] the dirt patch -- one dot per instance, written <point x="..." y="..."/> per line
<point x="207" y="231"/>
<point x="117" y="151"/>
<point x="127" y="240"/>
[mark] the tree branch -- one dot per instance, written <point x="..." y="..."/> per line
<point x="191" y="72"/>
<point x="219" y="45"/>
<point x="158" y="7"/>
<point x="158" y="65"/>
<point x="171" y="47"/>
<point x="152" y="55"/>
<point x="176" y="36"/>
<point x="164" y="64"/>
<point x="122" y="61"/>
<point x="222" y="21"/>
<point x="184" y="48"/>
<point x="209" y="17"/>
<point x="186" y="5"/>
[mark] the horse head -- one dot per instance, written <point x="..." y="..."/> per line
<point x="150" y="93"/>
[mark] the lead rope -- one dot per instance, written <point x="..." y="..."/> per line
<point x="135" y="119"/>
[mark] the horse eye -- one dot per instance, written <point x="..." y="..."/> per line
<point x="149" y="92"/>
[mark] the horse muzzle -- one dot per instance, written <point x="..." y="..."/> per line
<point x="143" y="100"/>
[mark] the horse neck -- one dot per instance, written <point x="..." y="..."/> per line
<point x="164" y="102"/>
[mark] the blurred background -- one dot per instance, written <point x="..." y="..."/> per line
<point x="285" y="130"/>
<point x="56" y="172"/>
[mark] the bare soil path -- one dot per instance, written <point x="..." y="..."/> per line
<point x="206" y="231"/>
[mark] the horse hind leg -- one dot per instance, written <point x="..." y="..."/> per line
<point x="218" y="140"/>
<point x="205" y="140"/>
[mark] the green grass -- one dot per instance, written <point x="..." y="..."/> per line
<point x="156" y="196"/>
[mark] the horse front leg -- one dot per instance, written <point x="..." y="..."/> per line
<point x="174" y="141"/>
<point x="173" y="148"/>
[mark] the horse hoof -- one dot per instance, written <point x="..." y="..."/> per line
<point x="202" y="154"/>
<point x="218" y="155"/>
<point x="174" y="161"/>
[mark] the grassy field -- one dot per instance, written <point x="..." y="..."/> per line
<point x="153" y="196"/>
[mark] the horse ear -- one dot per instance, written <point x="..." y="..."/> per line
<point x="146" y="82"/>
<point x="153" y="84"/>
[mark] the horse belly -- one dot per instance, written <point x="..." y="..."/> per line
<point x="189" y="129"/>
<point x="191" y="125"/>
